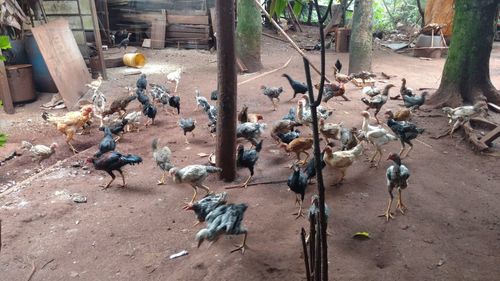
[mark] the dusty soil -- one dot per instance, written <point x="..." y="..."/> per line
<point x="451" y="231"/>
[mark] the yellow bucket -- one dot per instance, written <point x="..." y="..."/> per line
<point x="137" y="60"/>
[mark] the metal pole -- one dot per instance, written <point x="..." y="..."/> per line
<point x="227" y="102"/>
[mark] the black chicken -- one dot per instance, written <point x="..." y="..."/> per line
<point x="247" y="158"/>
<point x="187" y="125"/>
<point x="117" y="128"/>
<point x="107" y="143"/>
<point x="124" y="43"/>
<point x="214" y="95"/>
<point x="397" y="177"/>
<point x="113" y="161"/>
<point x="310" y="169"/>
<point x="338" y="65"/>
<point x="142" y="82"/>
<point x="207" y="204"/>
<point x="141" y="96"/>
<point x="298" y="87"/>
<point x="415" y="102"/>
<point x="404" y="130"/>
<point x="175" y="102"/>
<point x="289" y="137"/>
<point x="150" y="111"/>
<point x="297" y="182"/>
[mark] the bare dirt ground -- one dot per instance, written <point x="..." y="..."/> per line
<point x="451" y="231"/>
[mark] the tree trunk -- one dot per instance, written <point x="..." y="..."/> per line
<point x="421" y="12"/>
<point x="466" y="74"/>
<point x="248" y="34"/>
<point x="360" y="56"/>
<point x="343" y="5"/>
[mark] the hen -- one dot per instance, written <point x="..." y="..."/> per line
<point x="404" y="91"/>
<point x="193" y="175"/>
<point x="298" y="87"/>
<point x="225" y="219"/>
<point x="298" y="146"/>
<point x="397" y="177"/>
<point x="119" y="105"/>
<point x="304" y="114"/>
<point x="113" y="161"/>
<point x="250" y="131"/>
<point x="39" y="152"/>
<point x="405" y="131"/>
<point x="162" y="159"/>
<point x="298" y="182"/>
<point x="415" y="102"/>
<point x="187" y="125"/>
<point x="341" y="160"/>
<point x="244" y="116"/>
<point x="272" y="93"/>
<point x="70" y="123"/>
<point x="173" y="101"/>
<point x="107" y="143"/>
<point x="378" y="101"/>
<point x="247" y="158"/>
<point x="403" y="114"/>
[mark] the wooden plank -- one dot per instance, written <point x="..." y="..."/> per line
<point x="64" y="60"/>
<point x="5" y="94"/>
<point x="491" y="136"/>
<point x="98" y="41"/>
<point x="187" y="35"/>
<point x="158" y="29"/>
<point x="188" y="46"/>
<point x="187" y="40"/>
<point x="188" y="28"/>
<point x="175" y="19"/>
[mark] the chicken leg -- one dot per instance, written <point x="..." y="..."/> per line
<point x="123" y="178"/>
<point x="109" y="183"/>
<point x="162" y="180"/>
<point x="243" y="245"/>
<point x="300" y="213"/>
<point x="400" y="206"/>
<point x="387" y="213"/>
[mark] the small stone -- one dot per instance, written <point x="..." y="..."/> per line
<point x="78" y="198"/>
<point x="74" y="274"/>
<point x="76" y="164"/>
<point x="405" y="227"/>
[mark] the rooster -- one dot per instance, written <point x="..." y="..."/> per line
<point x="162" y="159"/>
<point x="70" y="123"/>
<point x="298" y="182"/>
<point x="341" y="160"/>
<point x="247" y="158"/>
<point x="272" y="93"/>
<point x="298" y="87"/>
<point x="397" y="177"/>
<point x="378" y="101"/>
<point x="405" y="131"/>
<point x="113" y="161"/>
<point x="194" y="175"/>
<point x="39" y="152"/>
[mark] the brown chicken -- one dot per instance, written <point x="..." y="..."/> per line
<point x="400" y="115"/>
<point x="70" y="123"/>
<point x="298" y="146"/>
<point x="341" y="160"/>
<point x="244" y="116"/>
<point x="119" y="105"/>
<point x="341" y="78"/>
<point x="331" y="90"/>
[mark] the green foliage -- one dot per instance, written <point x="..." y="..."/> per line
<point x="4" y="45"/>
<point x="3" y="139"/>
<point x="388" y="13"/>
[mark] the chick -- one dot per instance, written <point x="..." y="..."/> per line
<point x="187" y="125"/>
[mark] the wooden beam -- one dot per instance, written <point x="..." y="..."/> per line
<point x="174" y="19"/>
<point x="98" y="41"/>
<point x="5" y="95"/>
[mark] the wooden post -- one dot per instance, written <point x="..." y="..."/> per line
<point x="227" y="102"/>
<point x="98" y="42"/>
<point x="5" y="96"/>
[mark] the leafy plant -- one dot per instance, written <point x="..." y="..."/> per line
<point x="4" y="45"/>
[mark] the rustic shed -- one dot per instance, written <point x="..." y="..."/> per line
<point x="441" y="12"/>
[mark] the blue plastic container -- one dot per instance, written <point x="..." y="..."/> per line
<point x="41" y="75"/>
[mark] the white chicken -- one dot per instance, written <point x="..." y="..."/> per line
<point x="462" y="114"/>
<point x="201" y="101"/>
<point x="341" y="160"/>
<point x="370" y="91"/>
<point x="376" y="135"/>
<point x="39" y="152"/>
<point x="133" y="121"/>
<point x="194" y="175"/>
<point x="304" y="114"/>
<point x="175" y="77"/>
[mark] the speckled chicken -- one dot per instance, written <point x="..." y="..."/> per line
<point x="39" y="152"/>
<point x="347" y="138"/>
<point x="250" y="131"/>
<point x="282" y="127"/>
<point x="415" y="102"/>
<point x="329" y="130"/>
<point x="207" y="204"/>
<point x="272" y="93"/>
<point x="162" y="158"/>
<point x="397" y="177"/>
<point x="378" y="101"/>
<point x="331" y="90"/>
<point x="187" y="125"/>
<point x="193" y="175"/>
<point x="289" y="137"/>
<point x="298" y="146"/>
<point x="298" y="182"/>
<point x="405" y="131"/>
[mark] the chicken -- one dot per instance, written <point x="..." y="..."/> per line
<point x="247" y="158"/>
<point x="157" y="91"/>
<point x="39" y="152"/>
<point x="288" y="137"/>
<point x="113" y="161"/>
<point x="118" y="127"/>
<point x="119" y="105"/>
<point x="292" y="115"/>
<point x="99" y="104"/>
<point x="207" y="204"/>
<point x="214" y="95"/>
<point x="415" y="102"/>
<point x="370" y="91"/>
<point x="338" y="65"/>
<point x="200" y="100"/>
<point x="225" y="219"/>
<point x="194" y="175"/>
<point x="314" y="214"/>
<point x="347" y="138"/>
<point x="173" y="101"/>
<point x="162" y="159"/>
<point x="272" y="93"/>
<point x="403" y="114"/>
<point x="404" y="130"/>
<point x="310" y="169"/>
<point x="244" y="116"/>
<point x="298" y="146"/>
<point x="404" y="91"/>
<point x="363" y="75"/>
<point x="133" y="121"/>
<point x="304" y="114"/>
<point x="341" y="78"/>
<point x="211" y="112"/>
<point x="175" y="77"/>
<point x="142" y="82"/>
<point x="298" y="87"/>
<point x="96" y="84"/>
<point x="187" y="125"/>
<point x="397" y="177"/>
<point x="331" y="90"/>
<point x="282" y="127"/>
<point x="150" y="111"/>
<point x="378" y="101"/>
<point x="329" y="130"/>
<point x="250" y="131"/>
<point x="298" y="182"/>
<point x="70" y="123"/>
<point x="124" y="43"/>
<point x="378" y="136"/>
<point x="107" y="143"/>
<point x="141" y="96"/>
<point x="462" y="114"/>
<point x="341" y="160"/>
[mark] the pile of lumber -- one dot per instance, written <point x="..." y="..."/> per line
<point x="188" y="32"/>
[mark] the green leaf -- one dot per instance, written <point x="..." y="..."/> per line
<point x="278" y="7"/>
<point x="3" y="139"/>
<point x="3" y="58"/>
<point x="362" y="235"/>
<point x="5" y="42"/>
<point x="297" y="8"/>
